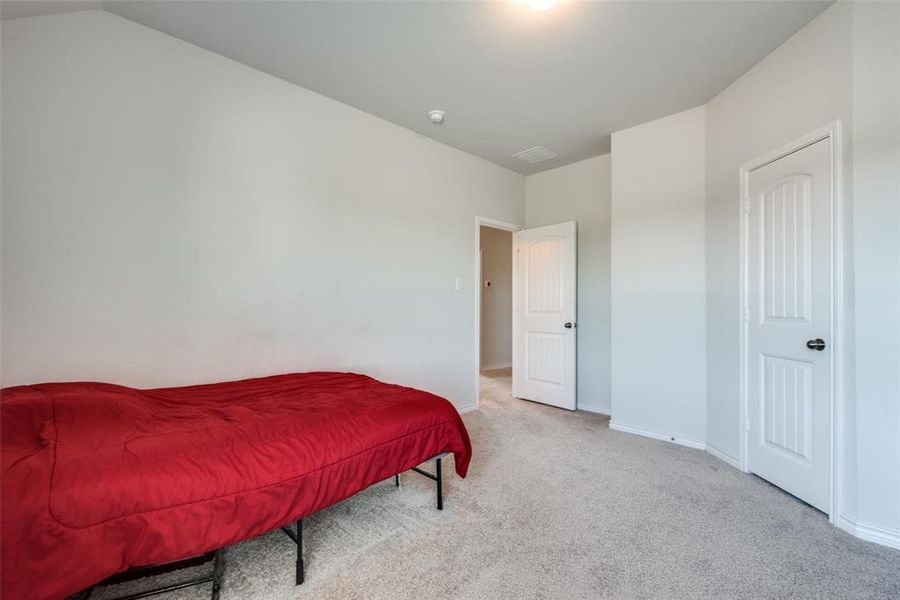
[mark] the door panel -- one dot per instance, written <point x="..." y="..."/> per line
<point x="786" y="248"/>
<point x="789" y="302"/>
<point x="546" y="357"/>
<point x="545" y="269"/>
<point x="787" y="388"/>
<point x="544" y="301"/>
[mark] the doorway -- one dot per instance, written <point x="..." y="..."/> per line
<point x="495" y="290"/>
<point x="530" y="328"/>
<point x="789" y="323"/>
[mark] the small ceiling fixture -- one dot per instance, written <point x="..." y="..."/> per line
<point x="436" y="116"/>
<point x="541" y="5"/>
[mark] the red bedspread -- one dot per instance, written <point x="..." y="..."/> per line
<point x="98" y="478"/>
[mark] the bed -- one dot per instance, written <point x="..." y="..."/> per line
<point x="99" y="478"/>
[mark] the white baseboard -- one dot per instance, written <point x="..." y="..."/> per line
<point x="494" y="367"/>
<point x="593" y="409"/>
<point x="467" y="408"/>
<point x="870" y="533"/>
<point x="725" y="458"/>
<point x="673" y="438"/>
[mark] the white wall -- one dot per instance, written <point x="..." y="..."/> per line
<point x="581" y="192"/>
<point x="876" y="272"/>
<point x="171" y="216"/>
<point x="658" y="272"/>
<point x="496" y="301"/>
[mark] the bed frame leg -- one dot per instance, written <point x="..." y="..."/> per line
<point x="437" y="478"/>
<point x="440" y="485"/>
<point x="300" y="573"/>
<point x="397" y="480"/>
<point x="218" y="571"/>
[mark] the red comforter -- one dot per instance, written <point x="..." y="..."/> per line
<point x="98" y="478"/>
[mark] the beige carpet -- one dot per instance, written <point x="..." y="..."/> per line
<point x="558" y="506"/>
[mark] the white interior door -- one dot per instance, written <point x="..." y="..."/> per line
<point x="789" y="323"/>
<point x="544" y="314"/>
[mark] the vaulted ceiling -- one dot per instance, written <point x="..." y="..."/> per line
<point x="508" y="77"/>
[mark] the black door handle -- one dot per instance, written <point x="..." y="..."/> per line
<point x="816" y="344"/>
<point x="569" y="325"/>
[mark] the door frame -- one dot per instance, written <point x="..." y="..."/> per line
<point x="832" y="133"/>
<point x="495" y="224"/>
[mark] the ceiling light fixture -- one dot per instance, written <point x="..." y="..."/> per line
<point x="541" y="5"/>
<point x="436" y="116"/>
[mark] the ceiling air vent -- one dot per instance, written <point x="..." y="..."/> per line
<point x="534" y="155"/>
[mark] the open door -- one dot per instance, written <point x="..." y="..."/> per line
<point x="544" y="265"/>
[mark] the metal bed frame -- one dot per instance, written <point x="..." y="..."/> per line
<point x="218" y="557"/>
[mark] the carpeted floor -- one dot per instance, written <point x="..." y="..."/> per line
<point x="558" y="506"/>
